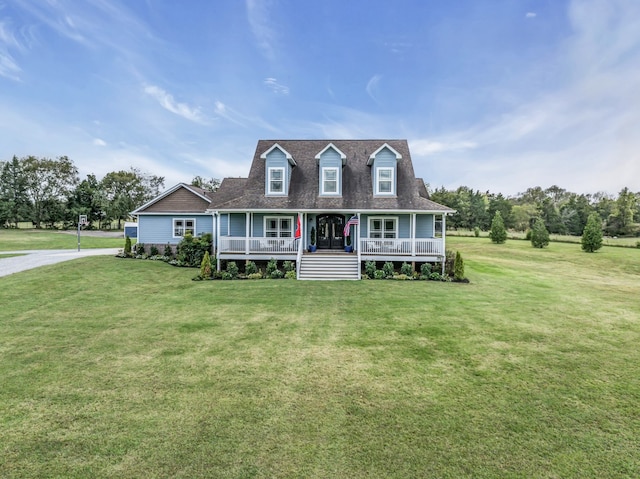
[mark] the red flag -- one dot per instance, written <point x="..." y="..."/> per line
<point x="298" y="228"/>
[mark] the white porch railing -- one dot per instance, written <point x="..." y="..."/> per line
<point x="368" y="246"/>
<point x="241" y="244"/>
<point x="402" y="246"/>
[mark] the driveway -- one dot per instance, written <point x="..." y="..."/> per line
<point x="34" y="258"/>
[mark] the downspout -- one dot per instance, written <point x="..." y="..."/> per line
<point x="357" y="243"/>
<point x="444" y="233"/>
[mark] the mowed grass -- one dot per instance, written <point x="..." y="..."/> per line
<point x="20" y="239"/>
<point x="123" y="368"/>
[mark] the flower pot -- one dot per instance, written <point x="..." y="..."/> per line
<point x="312" y="248"/>
<point x="348" y="249"/>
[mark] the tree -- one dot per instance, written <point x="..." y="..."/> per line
<point x="48" y="183"/>
<point x="124" y="191"/>
<point x="87" y="198"/>
<point x="14" y="200"/>
<point x="211" y="184"/>
<point x="498" y="233"/>
<point x="504" y="206"/>
<point x="539" y="234"/>
<point x="592" y="234"/>
<point x="458" y="267"/>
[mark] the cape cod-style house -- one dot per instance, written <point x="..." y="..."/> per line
<point x="361" y="193"/>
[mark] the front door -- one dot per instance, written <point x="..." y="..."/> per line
<point x="330" y="230"/>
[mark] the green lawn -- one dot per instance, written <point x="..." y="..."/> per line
<point x="628" y="242"/>
<point x="124" y="368"/>
<point x="14" y="240"/>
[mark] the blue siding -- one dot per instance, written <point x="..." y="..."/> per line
<point x="384" y="159"/>
<point x="331" y="159"/>
<point x="277" y="159"/>
<point x="258" y="225"/>
<point x="158" y="229"/>
<point x="424" y="226"/>
<point x="404" y="226"/>
<point x="237" y="224"/>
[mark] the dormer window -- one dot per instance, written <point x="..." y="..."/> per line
<point x="329" y="181"/>
<point x="384" y="181"/>
<point x="276" y="181"/>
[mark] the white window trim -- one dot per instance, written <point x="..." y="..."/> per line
<point x="322" y="180"/>
<point x="270" y="170"/>
<point x="279" y="231"/>
<point x="184" y="220"/>
<point x="392" y="179"/>
<point x="371" y="219"/>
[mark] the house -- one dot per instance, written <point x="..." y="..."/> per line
<point x="296" y="188"/>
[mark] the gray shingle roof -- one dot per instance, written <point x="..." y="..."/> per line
<point x="357" y="188"/>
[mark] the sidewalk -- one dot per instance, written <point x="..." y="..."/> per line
<point x="30" y="259"/>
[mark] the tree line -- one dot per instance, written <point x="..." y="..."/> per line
<point x="561" y="211"/>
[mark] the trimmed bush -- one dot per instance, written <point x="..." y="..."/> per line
<point x="370" y="268"/>
<point x="168" y="251"/>
<point x="388" y="269"/>
<point x="476" y="232"/>
<point x="205" y="266"/>
<point x="272" y="266"/>
<point x="191" y="250"/>
<point x="458" y="268"/>
<point x="288" y="266"/>
<point x="290" y="274"/>
<point x="250" y="268"/>
<point x="379" y="274"/>
<point x="153" y="250"/>
<point x="406" y="269"/>
<point x="592" y="234"/>
<point x="127" y="246"/>
<point x="425" y="269"/>
<point x="254" y="276"/>
<point x="232" y="269"/>
<point x="498" y="233"/>
<point x="277" y="274"/>
<point x="539" y="234"/>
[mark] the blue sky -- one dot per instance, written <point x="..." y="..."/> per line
<point x="496" y="95"/>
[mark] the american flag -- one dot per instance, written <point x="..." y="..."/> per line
<point x="347" y="228"/>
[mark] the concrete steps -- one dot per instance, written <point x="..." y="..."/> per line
<point x="329" y="266"/>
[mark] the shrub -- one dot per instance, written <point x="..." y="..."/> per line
<point x="127" y="246"/>
<point x="226" y="275"/>
<point x="425" y="269"/>
<point x="190" y="250"/>
<point x="406" y="269"/>
<point x="498" y="233"/>
<point x="458" y="268"/>
<point x="435" y="276"/>
<point x="476" y="232"/>
<point x="140" y="249"/>
<point x="288" y="266"/>
<point x="402" y="277"/>
<point x="168" y="251"/>
<point x="277" y="274"/>
<point x="250" y="268"/>
<point x="592" y="234"/>
<point x="527" y="235"/>
<point x="290" y="274"/>
<point x="379" y="274"/>
<point x="637" y="244"/>
<point x="255" y="275"/>
<point x="232" y="269"/>
<point x="272" y="266"/>
<point x="205" y="266"/>
<point x="449" y="263"/>
<point x="370" y="268"/>
<point x="153" y="250"/>
<point x="539" y="234"/>
<point x="388" y="269"/>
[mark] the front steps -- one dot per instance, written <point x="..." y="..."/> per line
<point x="329" y="266"/>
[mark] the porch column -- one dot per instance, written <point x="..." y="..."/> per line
<point x="413" y="234"/>
<point x="217" y="219"/>
<point x="246" y="232"/>
<point x="357" y="246"/>
<point x="444" y="230"/>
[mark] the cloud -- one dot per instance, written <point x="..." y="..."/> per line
<point x="8" y="66"/>
<point x="426" y="147"/>
<point x="261" y="24"/>
<point x="167" y="101"/>
<point x="276" y="87"/>
<point x="372" y="86"/>
<point x="531" y="15"/>
<point x="99" y="142"/>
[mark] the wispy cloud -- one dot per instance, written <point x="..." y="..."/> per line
<point x="167" y="101"/>
<point x="426" y="147"/>
<point x="99" y="142"/>
<point x="276" y="87"/>
<point x="531" y="15"/>
<point x="372" y="87"/>
<point x="261" y="24"/>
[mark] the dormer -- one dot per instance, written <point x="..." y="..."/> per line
<point x="330" y="162"/>
<point x="278" y="164"/>
<point x="384" y="169"/>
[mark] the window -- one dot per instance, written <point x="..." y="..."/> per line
<point x="276" y="181"/>
<point x="329" y="181"/>
<point x="182" y="226"/>
<point x="384" y="181"/>
<point x="278" y="227"/>
<point x="383" y="227"/>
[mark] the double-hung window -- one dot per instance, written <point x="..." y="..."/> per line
<point x="278" y="227"/>
<point x="383" y="228"/>
<point x="329" y="181"/>
<point x="182" y="226"/>
<point x="276" y="181"/>
<point x="384" y="181"/>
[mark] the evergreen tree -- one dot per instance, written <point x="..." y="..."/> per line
<point x="592" y="234"/>
<point x="458" y="267"/>
<point x="539" y="234"/>
<point x="498" y="233"/>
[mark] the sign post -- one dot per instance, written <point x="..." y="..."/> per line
<point x="82" y="220"/>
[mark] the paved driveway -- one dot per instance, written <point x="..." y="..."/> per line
<point x="34" y="258"/>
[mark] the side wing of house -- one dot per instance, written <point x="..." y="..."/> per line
<point x="176" y="212"/>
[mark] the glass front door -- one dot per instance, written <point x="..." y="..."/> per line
<point x="330" y="230"/>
